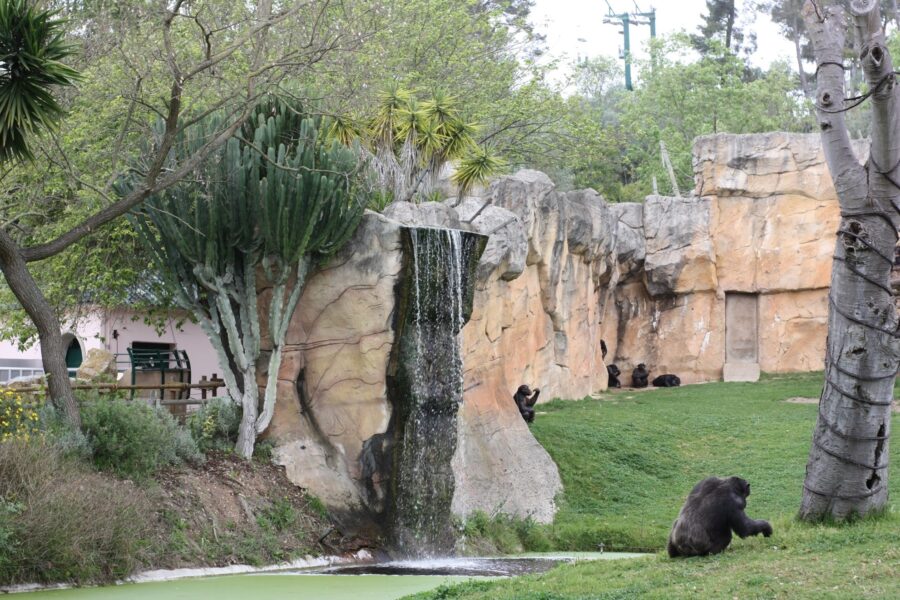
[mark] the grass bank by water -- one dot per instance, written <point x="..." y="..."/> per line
<point x="627" y="463"/>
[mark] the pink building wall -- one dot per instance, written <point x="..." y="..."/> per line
<point x="115" y="330"/>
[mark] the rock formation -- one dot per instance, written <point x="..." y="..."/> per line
<point x="738" y="272"/>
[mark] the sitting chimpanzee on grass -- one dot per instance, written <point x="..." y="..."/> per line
<point x="613" y="372"/>
<point x="526" y="400"/>
<point x="713" y="509"/>
<point x="639" y="376"/>
<point x="667" y="380"/>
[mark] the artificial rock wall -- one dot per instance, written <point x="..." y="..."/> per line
<point x="659" y="282"/>
<point x="751" y="248"/>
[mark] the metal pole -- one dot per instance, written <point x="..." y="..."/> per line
<point x="625" y="22"/>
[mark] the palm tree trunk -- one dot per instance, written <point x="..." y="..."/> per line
<point x="847" y="471"/>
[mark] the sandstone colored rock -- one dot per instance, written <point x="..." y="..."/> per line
<point x="332" y="395"/>
<point x="560" y="272"/>
<point x="98" y="363"/>
<point x="679" y="250"/>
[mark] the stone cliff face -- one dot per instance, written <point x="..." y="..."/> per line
<point x="735" y="275"/>
<point x="739" y="273"/>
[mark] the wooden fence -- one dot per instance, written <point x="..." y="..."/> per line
<point x="209" y="388"/>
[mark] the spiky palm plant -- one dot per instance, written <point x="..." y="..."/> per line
<point x="32" y="49"/>
<point x="410" y="142"/>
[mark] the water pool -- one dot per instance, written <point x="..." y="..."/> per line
<point x="380" y="581"/>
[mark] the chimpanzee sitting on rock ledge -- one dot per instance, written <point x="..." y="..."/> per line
<point x="525" y="401"/>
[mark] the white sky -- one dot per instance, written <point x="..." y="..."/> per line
<point x="575" y="28"/>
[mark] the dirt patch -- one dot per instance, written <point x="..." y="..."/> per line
<point x="230" y="511"/>
<point x="804" y="400"/>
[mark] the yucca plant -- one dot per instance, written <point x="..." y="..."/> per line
<point x="410" y="141"/>
<point x="32" y="49"/>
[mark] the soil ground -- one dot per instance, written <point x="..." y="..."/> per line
<point x="230" y="511"/>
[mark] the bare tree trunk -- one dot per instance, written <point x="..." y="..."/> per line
<point x="44" y="318"/>
<point x="847" y="471"/>
<point x="729" y="26"/>
<point x="804" y="80"/>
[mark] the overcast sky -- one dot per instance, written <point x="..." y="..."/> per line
<point x="576" y="28"/>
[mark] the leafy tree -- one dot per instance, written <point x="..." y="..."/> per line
<point x="275" y="202"/>
<point x="721" y="25"/>
<point x="176" y="61"/>
<point x="678" y="101"/>
<point x="847" y="471"/>
<point x="31" y="51"/>
<point x="786" y="14"/>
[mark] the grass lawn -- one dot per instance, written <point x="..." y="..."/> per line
<point x="627" y="463"/>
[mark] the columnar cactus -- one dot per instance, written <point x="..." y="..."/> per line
<point x="277" y="200"/>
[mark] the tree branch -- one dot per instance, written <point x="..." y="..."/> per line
<point x="826" y="30"/>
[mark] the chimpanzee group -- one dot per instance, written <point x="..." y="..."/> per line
<point x="639" y="376"/>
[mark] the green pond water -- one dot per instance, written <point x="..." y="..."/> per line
<point x="308" y="585"/>
<point x="258" y="587"/>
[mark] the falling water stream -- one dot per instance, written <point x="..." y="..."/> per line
<point x="425" y="384"/>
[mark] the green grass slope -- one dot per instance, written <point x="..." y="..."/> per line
<point x="627" y="463"/>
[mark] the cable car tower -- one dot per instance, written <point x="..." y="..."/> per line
<point x="638" y="17"/>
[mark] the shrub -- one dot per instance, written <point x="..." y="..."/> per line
<point x="215" y="425"/>
<point x="57" y="431"/>
<point x="63" y="522"/>
<point x="133" y="439"/>
<point x="18" y="418"/>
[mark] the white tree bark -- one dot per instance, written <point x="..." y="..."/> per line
<point x="847" y="471"/>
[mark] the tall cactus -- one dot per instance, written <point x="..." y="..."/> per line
<point x="277" y="200"/>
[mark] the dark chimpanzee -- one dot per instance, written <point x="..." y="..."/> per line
<point x="613" y="372"/>
<point x="526" y="400"/>
<point x="639" y="376"/>
<point x="667" y="380"/>
<point x="713" y="509"/>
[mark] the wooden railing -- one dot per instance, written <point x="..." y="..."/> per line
<point x="209" y="388"/>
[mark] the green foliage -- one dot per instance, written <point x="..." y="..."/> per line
<point x="215" y="425"/>
<point x="277" y="191"/>
<point x="59" y="433"/>
<point x="410" y="141"/>
<point x="629" y="460"/>
<point x="64" y="522"/>
<point x="18" y="418"/>
<point x="475" y="168"/>
<point x="315" y="504"/>
<point x="279" y="516"/>
<point x="502" y="534"/>
<point x="133" y="439"/>
<point x="31" y="51"/>
<point x="678" y="101"/>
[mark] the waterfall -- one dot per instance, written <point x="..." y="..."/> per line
<point x="425" y="384"/>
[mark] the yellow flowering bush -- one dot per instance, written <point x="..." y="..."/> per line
<point x="18" y="419"/>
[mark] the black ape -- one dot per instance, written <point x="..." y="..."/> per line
<point x="713" y="509"/>
<point x="614" y="372"/>
<point x="639" y="376"/>
<point x="525" y="400"/>
<point x="667" y="380"/>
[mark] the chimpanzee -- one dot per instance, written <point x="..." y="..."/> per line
<point x="526" y="400"/>
<point x="639" y="376"/>
<point x="613" y="372"/>
<point x="667" y="380"/>
<point x="713" y="509"/>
